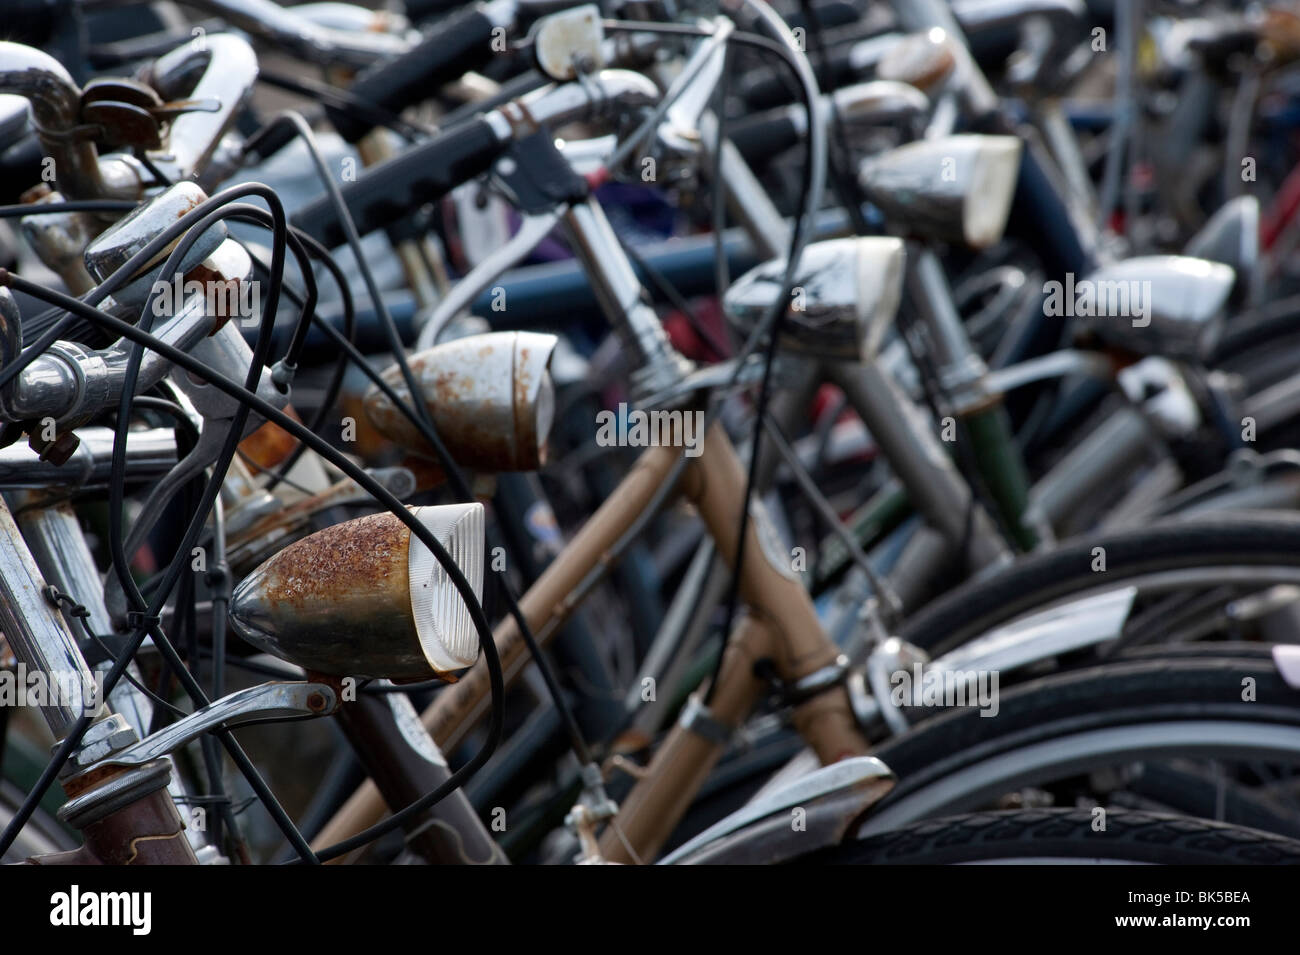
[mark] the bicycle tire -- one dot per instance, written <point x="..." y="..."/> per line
<point x="1241" y="540"/>
<point x="41" y="835"/>
<point x="1104" y="715"/>
<point x="1064" y="836"/>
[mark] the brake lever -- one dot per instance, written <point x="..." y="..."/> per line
<point x="680" y="130"/>
<point x="256" y="704"/>
<point x="228" y="353"/>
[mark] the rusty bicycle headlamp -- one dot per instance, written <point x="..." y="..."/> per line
<point x="365" y="598"/>
<point x="491" y="398"/>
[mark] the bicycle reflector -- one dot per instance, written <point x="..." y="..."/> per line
<point x="365" y="599"/>
<point x="491" y="398"/>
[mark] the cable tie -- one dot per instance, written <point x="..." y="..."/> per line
<point x="139" y="620"/>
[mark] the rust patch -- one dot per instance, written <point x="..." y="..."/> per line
<point x="90" y="779"/>
<point x="428" y="475"/>
<point x="270" y="445"/>
<point x="221" y="292"/>
<point x="365" y="554"/>
<point x="36" y="193"/>
<point x="371" y="444"/>
<point x="523" y="423"/>
<point x="469" y="410"/>
<point x="293" y="519"/>
<point x="188" y="203"/>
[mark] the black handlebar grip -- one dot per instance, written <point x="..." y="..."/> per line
<point x="778" y="90"/>
<point x="419" y="10"/>
<point x="393" y="189"/>
<point x="21" y="166"/>
<point x="451" y="47"/>
<point x="34" y="22"/>
<point x="764" y="137"/>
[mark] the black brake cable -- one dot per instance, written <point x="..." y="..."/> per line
<point x="454" y="573"/>
<point x="77" y="610"/>
<point x="796" y="248"/>
<point x="348" y="349"/>
<point x="424" y="422"/>
<point x="769" y="324"/>
<point x="146" y="622"/>
<point x="276" y="477"/>
<point x="218" y="580"/>
<point x="810" y="194"/>
<point x="335" y="385"/>
<point x="22" y="210"/>
<point x="224" y="206"/>
<point x="121" y="275"/>
<point x="221" y="211"/>
<point x="755" y="338"/>
<point x="142" y="622"/>
<point x="307" y="305"/>
<point x="678" y="301"/>
<point x="347" y="102"/>
<point x="341" y="461"/>
<point x="350" y="352"/>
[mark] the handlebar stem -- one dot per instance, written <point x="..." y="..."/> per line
<point x="56" y="104"/>
<point x="228" y="77"/>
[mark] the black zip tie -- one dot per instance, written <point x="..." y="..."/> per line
<point x="139" y="620"/>
<point x="198" y="800"/>
<point x="218" y="580"/>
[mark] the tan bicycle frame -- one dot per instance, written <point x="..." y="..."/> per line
<point x="781" y="625"/>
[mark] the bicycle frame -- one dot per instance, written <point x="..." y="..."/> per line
<point x="781" y="626"/>
<point x="141" y="825"/>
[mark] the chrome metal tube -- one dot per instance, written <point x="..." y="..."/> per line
<point x="228" y="78"/>
<point x="749" y="202"/>
<point x="149" y="455"/>
<point x="1113" y="449"/>
<point x="71" y="381"/>
<point x="932" y="481"/>
<point x="619" y="292"/>
<point x="301" y="36"/>
<point x="56" y="101"/>
<point x="38" y="635"/>
<point x="959" y="363"/>
<point x="605" y="94"/>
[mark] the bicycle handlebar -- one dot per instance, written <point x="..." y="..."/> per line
<point x="392" y="189"/>
<point x="461" y="42"/>
<point x="300" y="36"/>
<point x="417" y="10"/>
<point x="396" y="187"/>
<point x="70" y="382"/>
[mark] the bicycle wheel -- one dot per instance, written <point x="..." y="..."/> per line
<point x="1065" y="837"/>
<point x="40" y="836"/>
<point x="1115" y="735"/>
<point x="1241" y="553"/>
